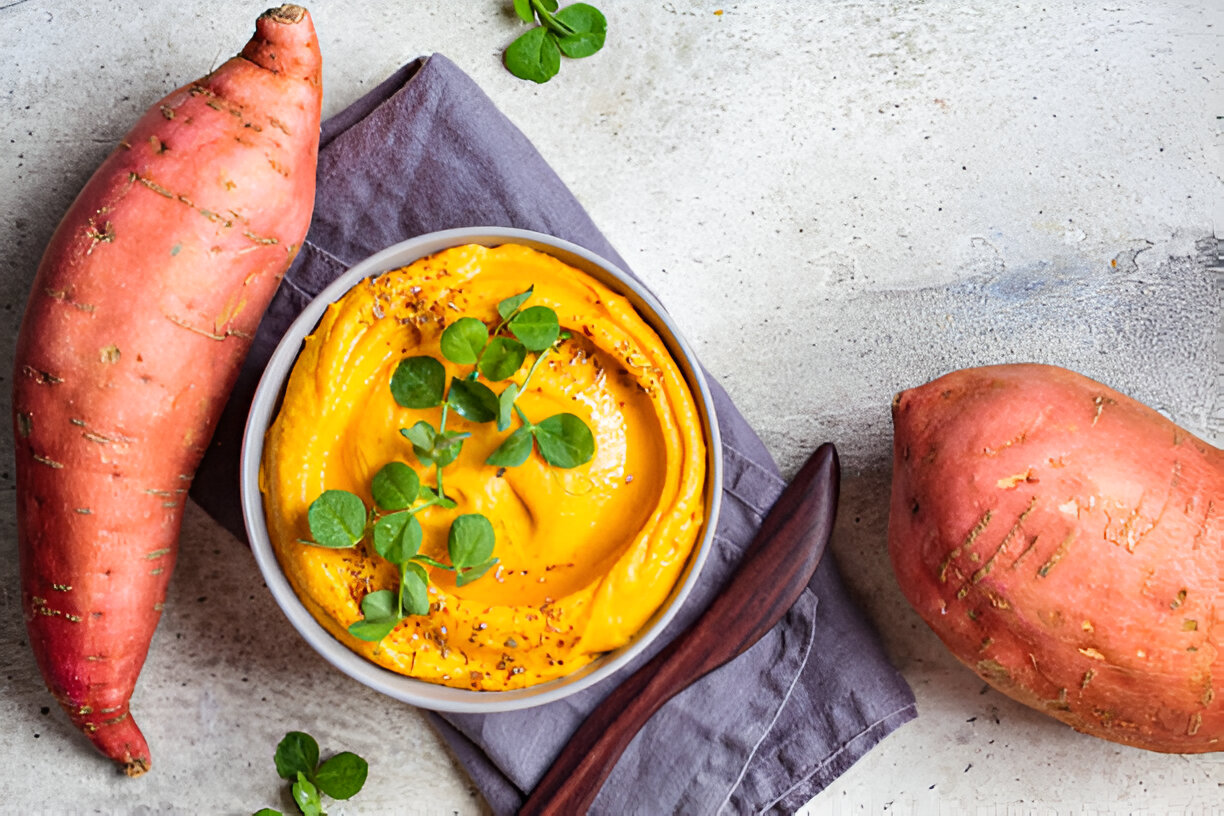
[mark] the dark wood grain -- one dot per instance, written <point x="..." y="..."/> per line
<point x="776" y="567"/>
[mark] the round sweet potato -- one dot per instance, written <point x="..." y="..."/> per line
<point x="1065" y="542"/>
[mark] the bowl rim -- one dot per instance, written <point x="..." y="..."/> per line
<point x="265" y="404"/>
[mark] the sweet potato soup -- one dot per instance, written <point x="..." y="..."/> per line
<point x="585" y="555"/>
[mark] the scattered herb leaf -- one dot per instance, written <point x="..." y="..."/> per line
<point x="418" y="382"/>
<point x="473" y="400"/>
<point x="470" y="541"/>
<point x="505" y="402"/>
<point x="463" y="340"/>
<point x="297" y="760"/>
<point x="298" y="752"/>
<point x="395" y="487"/>
<point x="466" y="576"/>
<point x="565" y="441"/>
<point x="307" y="796"/>
<point x="397" y="536"/>
<point x="502" y="358"/>
<point x="514" y="450"/>
<point x="577" y="31"/>
<point x="415" y="583"/>
<point x="342" y="776"/>
<point x="590" y="29"/>
<point x="337" y="519"/>
<point x="536" y="327"/>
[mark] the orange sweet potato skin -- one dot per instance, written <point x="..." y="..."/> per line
<point x="139" y="316"/>
<point x="1065" y="542"/>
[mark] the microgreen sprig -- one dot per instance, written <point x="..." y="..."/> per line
<point x="339" y="519"/>
<point x="576" y="31"/>
<point x="297" y="760"/>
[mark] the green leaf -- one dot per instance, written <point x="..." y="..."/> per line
<point x="337" y="519"/>
<point x="470" y="574"/>
<point x="503" y="357"/>
<point x="395" y="486"/>
<point x="463" y="340"/>
<point x="380" y="606"/>
<point x="505" y="406"/>
<point x="534" y="56"/>
<point x="433" y="562"/>
<point x="513" y="451"/>
<point x="418" y="382"/>
<point x="536" y="327"/>
<point x="549" y="5"/>
<point x="382" y="615"/>
<point x="342" y="776"/>
<point x="565" y="441"/>
<point x="297" y="753"/>
<point x="372" y="631"/>
<point x="307" y="796"/>
<point x="473" y="401"/>
<point x="397" y="537"/>
<point x="524" y="11"/>
<point x="589" y="27"/>
<point x="267" y="812"/>
<point x="508" y="306"/>
<point x="414" y="589"/>
<point x="470" y="541"/>
<point x="447" y="448"/>
<point x="423" y="437"/>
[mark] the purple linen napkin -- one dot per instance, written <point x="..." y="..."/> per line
<point x="427" y="150"/>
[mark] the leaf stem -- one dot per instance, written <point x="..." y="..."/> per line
<point x="549" y="20"/>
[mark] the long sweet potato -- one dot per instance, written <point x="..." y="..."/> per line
<point x="141" y="311"/>
<point x="1067" y="543"/>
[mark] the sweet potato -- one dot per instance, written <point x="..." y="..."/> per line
<point x="1065" y="542"/>
<point x="141" y="311"/>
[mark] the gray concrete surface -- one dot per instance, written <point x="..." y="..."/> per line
<point x="836" y="200"/>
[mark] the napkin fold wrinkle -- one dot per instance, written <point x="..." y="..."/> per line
<point x="428" y="150"/>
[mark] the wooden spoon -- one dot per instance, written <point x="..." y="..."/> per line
<point x="776" y="567"/>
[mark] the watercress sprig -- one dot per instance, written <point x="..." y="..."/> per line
<point x="339" y="519"/>
<point x="576" y="31"/>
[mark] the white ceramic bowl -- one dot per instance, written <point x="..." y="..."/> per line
<point x="267" y="403"/>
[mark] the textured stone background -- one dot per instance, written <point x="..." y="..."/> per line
<point x="836" y="200"/>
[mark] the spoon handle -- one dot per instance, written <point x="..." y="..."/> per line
<point x="776" y="568"/>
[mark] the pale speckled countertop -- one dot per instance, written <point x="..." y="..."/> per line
<point x="865" y="194"/>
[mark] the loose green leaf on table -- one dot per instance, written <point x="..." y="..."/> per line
<point x="298" y="752"/>
<point x="590" y="29"/>
<point x="534" y="56"/>
<point x="577" y="31"/>
<point x="342" y="776"/>
<point x="307" y="796"/>
<point x="297" y="760"/>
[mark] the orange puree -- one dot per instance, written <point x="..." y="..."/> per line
<point x="587" y="555"/>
